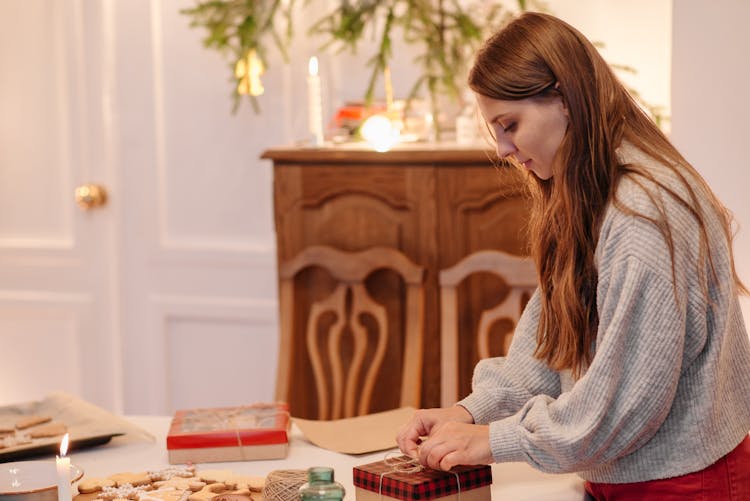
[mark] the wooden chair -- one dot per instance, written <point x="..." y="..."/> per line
<point x="344" y="382"/>
<point x="519" y="274"/>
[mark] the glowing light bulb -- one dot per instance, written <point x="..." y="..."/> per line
<point x="379" y="133"/>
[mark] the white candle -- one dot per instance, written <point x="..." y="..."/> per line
<point x="62" y="462"/>
<point x="314" y="102"/>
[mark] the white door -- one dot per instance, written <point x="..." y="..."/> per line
<point x="58" y="298"/>
<point x="198" y="247"/>
<point x="164" y="298"/>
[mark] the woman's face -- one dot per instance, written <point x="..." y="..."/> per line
<point x="529" y="130"/>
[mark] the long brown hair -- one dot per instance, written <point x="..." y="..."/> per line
<point x="537" y="55"/>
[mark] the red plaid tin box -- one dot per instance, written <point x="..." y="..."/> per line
<point x="257" y="431"/>
<point x="391" y="479"/>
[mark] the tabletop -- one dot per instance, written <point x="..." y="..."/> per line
<point x="510" y="481"/>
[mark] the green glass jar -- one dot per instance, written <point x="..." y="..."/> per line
<point x="320" y="486"/>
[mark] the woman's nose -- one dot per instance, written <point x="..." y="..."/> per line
<point x="504" y="147"/>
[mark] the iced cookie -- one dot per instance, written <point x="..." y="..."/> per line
<point x="89" y="485"/>
<point x="124" y="491"/>
<point x="184" y="471"/>
<point x="134" y="479"/>
<point x="188" y="484"/>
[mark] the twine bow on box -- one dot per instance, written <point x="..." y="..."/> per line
<point x="407" y="465"/>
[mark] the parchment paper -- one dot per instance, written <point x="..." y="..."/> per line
<point x="357" y="435"/>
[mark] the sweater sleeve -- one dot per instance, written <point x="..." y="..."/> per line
<point x="627" y="391"/>
<point x="502" y="385"/>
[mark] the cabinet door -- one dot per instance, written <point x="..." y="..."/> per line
<point x="481" y="207"/>
<point x="354" y="207"/>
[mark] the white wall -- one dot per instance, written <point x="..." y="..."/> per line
<point x="710" y="108"/>
<point x="636" y="33"/>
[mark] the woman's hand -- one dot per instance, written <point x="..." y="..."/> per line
<point x="451" y="443"/>
<point x="423" y="422"/>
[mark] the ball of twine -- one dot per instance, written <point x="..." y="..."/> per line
<point x="283" y="485"/>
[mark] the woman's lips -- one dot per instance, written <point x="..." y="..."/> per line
<point x="525" y="163"/>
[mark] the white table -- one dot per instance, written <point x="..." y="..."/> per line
<point x="510" y="481"/>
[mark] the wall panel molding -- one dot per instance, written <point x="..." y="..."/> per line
<point x="167" y="309"/>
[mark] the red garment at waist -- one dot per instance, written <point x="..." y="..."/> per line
<point x="728" y="479"/>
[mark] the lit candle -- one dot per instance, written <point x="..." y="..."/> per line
<point x="62" y="462"/>
<point x="314" y="102"/>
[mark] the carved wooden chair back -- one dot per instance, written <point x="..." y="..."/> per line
<point x="519" y="274"/>
<point x="345" y="387"/>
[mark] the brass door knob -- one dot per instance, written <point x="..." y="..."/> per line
<point x="90" y="196"/>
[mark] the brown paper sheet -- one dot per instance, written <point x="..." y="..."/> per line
<point x="357" y="435"/>
<point x="86" y="423"/>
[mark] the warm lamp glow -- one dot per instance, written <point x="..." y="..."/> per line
<point x="248" y="71"/>
<point x="380" y="133"/>
<point x="64" y="445"/>
<point x="312" y="66"/>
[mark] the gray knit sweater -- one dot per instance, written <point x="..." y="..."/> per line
<point x="668" y="390"/>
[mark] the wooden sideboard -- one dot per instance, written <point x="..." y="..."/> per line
<point x="434" y="203"/>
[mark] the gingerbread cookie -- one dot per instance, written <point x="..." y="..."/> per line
<point x="234" y="496"/>
<point x="165" y="494"/>
<point x="123" y="492"/>
<point x="217" y="477"/>
<point x="91" y="496"/>
<point x="174" y="483"/>
<point x="209" y="492"/>
<point x="185" y="471"/>
<point x="89" y="485"/>
<point x="33" y="420"/>
<point x="186" y="484"/>
<point x="232" y="480"/>
<point x="134" y="479"/>
<point x="48" y="430"/>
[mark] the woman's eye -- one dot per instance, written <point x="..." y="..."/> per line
<point x="510" y="127"/>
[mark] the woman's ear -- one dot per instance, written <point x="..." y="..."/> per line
<point x="562" y="99"/>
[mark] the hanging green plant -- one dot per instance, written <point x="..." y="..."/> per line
<point x="243" y="30"/>
<point x="447" y="33"/>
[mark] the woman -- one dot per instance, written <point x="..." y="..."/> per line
<point x="631" y="363"/>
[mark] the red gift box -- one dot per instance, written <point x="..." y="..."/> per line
<point x="396" y="478"/>
<point x="244" y="433"/>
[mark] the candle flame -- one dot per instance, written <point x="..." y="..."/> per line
<point x="312" y="66"/>
<point x="64" y="445"/>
